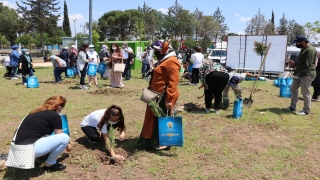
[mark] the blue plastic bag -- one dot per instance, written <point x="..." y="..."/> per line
<point x="75" y="70"/>
<point x="283" y="81"/>
<point x="237" y="108"/>
<point x="285" y="91"/>
<point x="170" y="131"/>
<point x="289" y="81"/>
<point x="32" y="82"/>
<point x="70" y="72"/>
<point x="101" y="68"/>
<point x="65" y="125"/>
<point x="276" y="82"/>
<point x="92" y="70"/>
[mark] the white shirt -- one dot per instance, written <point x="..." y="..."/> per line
<point x="94" y="56"/>
<point x="241" y="76"/>
<point x="93" y="119"/>
<point x="197" y="58"/>
<point x="125" y="53"/>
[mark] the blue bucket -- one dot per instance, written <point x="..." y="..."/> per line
<point x="92" y="70"/>
<point x="32" y="82"/>
<point x="170" y="131"/>
<point x="65" y="125"/>
<point x="285" y="91"/>
<point x="70" y="72"/>
<point x="101" y="68"/>
<point x="237" y="108"/>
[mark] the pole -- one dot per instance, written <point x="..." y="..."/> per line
<point x="75" y="33"/>
<point x="90" y="21"/>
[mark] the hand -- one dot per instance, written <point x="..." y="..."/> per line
<point x="291" y="62"/>
<point x="20" y="67"/>
<point x="118" y="157"/>
<point x="122" y="135"/>
<point x="168" y="105"/>
<point x="69" y="147"/>
<point x="256" y="76"/>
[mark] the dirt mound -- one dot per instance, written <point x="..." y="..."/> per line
<point x="189" y="107"/>
<point x="109" y="91"/>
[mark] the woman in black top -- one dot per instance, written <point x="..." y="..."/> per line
<point x="37" y="127"/>
<point x="25" y="65"/>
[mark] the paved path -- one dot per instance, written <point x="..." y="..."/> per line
<point x="42" y="64"/>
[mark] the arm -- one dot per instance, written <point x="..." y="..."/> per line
<point x="83" y="57"/>
<point x="110" y="149"/>
<point x="251" y="75"/>
<point x="122" y="134"/>
<point x="172" y="71"/>
<point x="58" y="63"/>
<point x="20" y="64"/>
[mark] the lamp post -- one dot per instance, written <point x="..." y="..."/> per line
<point x="75" y="34"/>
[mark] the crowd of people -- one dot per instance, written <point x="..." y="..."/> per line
<point x="215" y="79"/>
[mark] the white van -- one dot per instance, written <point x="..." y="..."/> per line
<point x="219" y="54"/>
<point x="293" y="52"/>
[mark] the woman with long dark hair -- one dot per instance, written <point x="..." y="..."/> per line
<point x="101" y="120"/>
<point x="37" y="127"/>
<point x="82" y="64"/>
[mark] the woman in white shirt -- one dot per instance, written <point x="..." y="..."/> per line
<point x="93" y="59"/>
<point x="197" y="59"/>
<point x="101" y="120"/>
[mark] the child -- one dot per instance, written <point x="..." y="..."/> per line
<point x="101" y="120"/>
<point x="235" y="79"/>
<point x="94" y="59"/>
<point x="188" y="71"/>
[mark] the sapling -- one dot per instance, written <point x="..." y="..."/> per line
<point x="156" y="109"/>
<point x="110" y="142"/>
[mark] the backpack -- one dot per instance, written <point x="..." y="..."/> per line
<point x="103" y="54"/>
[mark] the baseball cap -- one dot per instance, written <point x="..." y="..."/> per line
<point x="45" y="58"/>
<point x="234" y="81"/>
<point x="91" y="46"/>
<point x="300" y="39"/>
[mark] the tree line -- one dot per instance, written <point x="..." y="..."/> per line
<point x="34" y="23"/>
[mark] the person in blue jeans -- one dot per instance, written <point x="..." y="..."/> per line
<point x="25" y="65"/>
<point x="59" y="66"/>
<point x="36" y="128"/>
<point x="14" y="61"/>
<point x="147" y="61"/>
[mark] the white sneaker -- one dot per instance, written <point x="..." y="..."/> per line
<point x="301" y="113"/>
<point x="84" y="87"/>
<point x="25" y="84"/>
<point x="14" y="78"/>
<point x="190" y="84"/>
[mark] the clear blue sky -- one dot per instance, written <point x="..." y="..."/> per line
<point x="236" y="12"/>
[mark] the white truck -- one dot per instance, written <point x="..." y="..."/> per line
<point x="219" y="53"/>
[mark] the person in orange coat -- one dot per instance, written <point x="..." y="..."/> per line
<point x="164" y="79"/>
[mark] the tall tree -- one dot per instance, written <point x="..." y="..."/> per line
<point x="209" y="29"/>
<point x="39" y="16"/>
<point x="256" y="26"/>
<point x="270" y="28"/>
<point x="9" y="20"/>
<point x="66" y="23"/>
<point x="149" y="23"/>
<point x="313" y="30"/>
<point x="197" y="18"/>
<point x="223" y="27"/>
<point x="283" y="25"/>
<point x="119" y="24"/>
<point x="295" y="29"/>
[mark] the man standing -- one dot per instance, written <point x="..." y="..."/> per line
<point x="127" y="60"/>
<point x="305" y="72"/>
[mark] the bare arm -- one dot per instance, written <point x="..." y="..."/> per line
<point x="110" y="149"/>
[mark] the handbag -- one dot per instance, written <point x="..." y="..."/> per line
<point x="132" y="56"/>
<point x="20" y="156"/>
<point x="119" y="67"/>
<point x="150" y="95"/>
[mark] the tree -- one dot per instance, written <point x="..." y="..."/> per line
<point x="190" y="42"/>
<point x="283" y="25"/>
<point x="95" y="38"/>
<point x="149" y="23"/>
<point x="25" y="40"/>
<point x="9" y="23"/>
<point x="270" y="28"/>
<point x="223" y="27"/>
<point x="56" y="38"/>
<point x="197" y="18"/>
<point x="119" y="24"/>
<point x="38" y="16"/>
<point x="256" y="25"/>
<point x="313" y="30"/>
<point x="66" y="23"/>
<point x="209" y="29"/>
<point x="3" y="41"/>
<point x="95" y="26"/>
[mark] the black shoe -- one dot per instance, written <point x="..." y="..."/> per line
<point x="289" y="109"/>
<point x="162" y="148"/>
<point x="55" y="167"/>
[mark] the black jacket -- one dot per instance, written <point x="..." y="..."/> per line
<point x="25" y="69"/>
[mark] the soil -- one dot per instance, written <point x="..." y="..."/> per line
<point x="109" y="91"/>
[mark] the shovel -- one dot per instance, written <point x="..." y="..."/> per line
<point x="247" y="102"/>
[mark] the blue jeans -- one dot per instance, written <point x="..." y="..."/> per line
<point x="127" y="70"/>
<point x="145" y="69"/>
<point x="57" y="73"/>
<point x="24" y="76"/>
<point x="54" y="145"/>
<point x="14" y="71"/>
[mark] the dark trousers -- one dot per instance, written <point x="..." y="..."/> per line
<point x="57" y="73"/>
<point x="127" y="71"/>
<point x="195" y="75"/>
<point x="216" y="82"/>
<point x="91" y="133"/>
<point x="316" y="92"/>
<point x="83" y="74"/>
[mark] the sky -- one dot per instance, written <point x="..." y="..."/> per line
<point x="236" y="12"/>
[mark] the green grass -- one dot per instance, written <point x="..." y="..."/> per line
<point x="266" y="143"/>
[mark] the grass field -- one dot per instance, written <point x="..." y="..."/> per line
<point x="266" y="143"/>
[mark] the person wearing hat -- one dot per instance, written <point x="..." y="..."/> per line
<point x="235" y="80"/>
<point x="25" y="65"/>
<point x="59" y="66"/>
<point x="127" y="60"/>
<point x="104" y="57"/>
<point x="304" y="74"/>
<point x="93" y="59"/>
<point x="14" y="61"/>
<point x="164" y="80"/>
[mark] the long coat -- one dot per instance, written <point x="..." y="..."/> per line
<point x="25" y="69"/>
